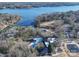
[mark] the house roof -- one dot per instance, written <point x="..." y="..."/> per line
<point x="38" y="40"/>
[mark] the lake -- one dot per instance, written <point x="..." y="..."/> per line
<point x="29" y="15"/>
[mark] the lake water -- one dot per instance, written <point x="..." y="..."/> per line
<point x="29" y="15"/>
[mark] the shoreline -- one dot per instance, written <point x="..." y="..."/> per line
<point x="7" y="20"/>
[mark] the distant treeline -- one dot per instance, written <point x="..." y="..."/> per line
<point x="34" y="4"/>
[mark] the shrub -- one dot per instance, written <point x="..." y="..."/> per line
<point x="20" y="50"/>
<point x="4" y="47"/>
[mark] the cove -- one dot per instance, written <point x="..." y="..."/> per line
<point x="28" y="15"/>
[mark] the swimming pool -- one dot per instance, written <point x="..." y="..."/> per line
<point x="73" y="48"/>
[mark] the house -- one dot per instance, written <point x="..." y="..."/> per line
<point x="46" y="44"/>
<point x="51" y="40"/>
<point x="42" y="45"/>
<point x="36" y="41"/>
<point x="32" y="44"/>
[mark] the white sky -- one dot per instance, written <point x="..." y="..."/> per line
<point x="39" y="0"/>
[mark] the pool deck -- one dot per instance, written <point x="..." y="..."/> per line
<point x="65" y="51"/>
<point x="70" y="53"/>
